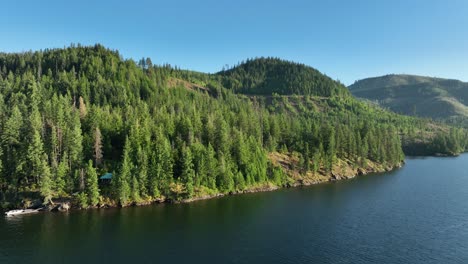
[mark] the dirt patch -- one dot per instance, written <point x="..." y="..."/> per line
<point x="174" y="82"/>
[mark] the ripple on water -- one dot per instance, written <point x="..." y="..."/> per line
<point x="417" y="214"/>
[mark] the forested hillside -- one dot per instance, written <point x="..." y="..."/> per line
<point x="265" y="76"/>
<point x="69" y="115"/>
<point x="417" y="95"/>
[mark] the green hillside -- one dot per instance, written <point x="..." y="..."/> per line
<point x="416" y="95"/>
<point x="265" y="76"/>
<point x="419" y="136"/>
<point x="70" y="115"/>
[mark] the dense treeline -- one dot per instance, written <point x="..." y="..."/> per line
<point x="265" y="76"/>
<point x="69" y="115"/>
<point x="446" y="143"/>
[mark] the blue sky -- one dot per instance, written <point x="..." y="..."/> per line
<point x="347" y="40"/>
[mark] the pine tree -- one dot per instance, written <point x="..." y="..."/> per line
<point x="35" y="148"/>
<point x="82" y="108"/>
<point x="241" y="152"/>
<point x="154" y="174"/>
<point x="135" y="189"/>
<point x="187" y="172"/>
<point x="2" y="176"/>
<point x="316" y="159"/>
<point x="3" y="181"/>
<point x="259" y="162"/>
<point x="161" y="166"/>
<point x="222" y="137"/>
<point x="148" y="63"/>
<point x="278" y="176"/>
<point x="211" y="165"/>
<point x="225" y="177"/>
<point x="97" y="136"/>
<point x="92" y="188"/>
<point x="239" y="181"/>
<point x="11" y="132"/>
<point x="199" y="162"/>
<point x="331" y="151"/>
<point x="142" y="172"/>
<point x="46" y="181"/>
<point x="364" y="149"/>
<point x="53" y="147"/>
<point x="124" y="177"/>
<point x="34" y="157"/>
<point x="60" y="181"/>
<point x="75" y="142"/>
<point x="166" y="160"/>
<point x="306" y="159"/>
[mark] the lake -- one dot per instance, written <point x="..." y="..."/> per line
<point x="417" y="214"/>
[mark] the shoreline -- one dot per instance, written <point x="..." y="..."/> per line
<point x="303" y="181"/>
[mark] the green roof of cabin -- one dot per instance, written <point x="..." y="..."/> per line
<point x="107" y="176"/>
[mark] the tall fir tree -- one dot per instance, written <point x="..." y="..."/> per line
<point x="92" y="188"/>
<point x="187" y="172"/>
<point x="97" y="146"/>
<point x="75" y="144"/>
<point x="124" y="177"/>
<point x="46" y="180"/>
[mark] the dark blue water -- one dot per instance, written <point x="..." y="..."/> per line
<point x="418" y="214"/>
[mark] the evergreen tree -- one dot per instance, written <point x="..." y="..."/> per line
<point x="97" y="146"/>
<point x="124" y="177"/>
<point x="35" y="149"/>
<point x="306" y="159"/>
<point x="11" y="139"/>
<point x="239" y="181"/>
<point x="331" y="151"/>
<point x="82" y="108"/>
<point x="60" y="182"/>
<point x="2" y="178"/>
<point x="161" y="167"/>
<point x="75" y="143"/>
<point x="35" y="156"/>
<point x="211" y="168"/>
<point x="187" y="172"/>
<point x="92" y="188"/>
<point x="225" y="181"/>
<point x="221" y="137"/>
<point x="135" y="189"/>
<point x="316" y="161"/>
<point x="46" y="181"/>
<point x="199" y="162"/>
<point x="142" y="172"/>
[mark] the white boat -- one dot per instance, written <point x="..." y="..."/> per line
<point x="21" y="212"/>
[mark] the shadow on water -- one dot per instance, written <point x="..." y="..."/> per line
<point x="416" y="214"/>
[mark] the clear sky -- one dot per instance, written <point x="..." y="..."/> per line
<point x="347" y="40"/>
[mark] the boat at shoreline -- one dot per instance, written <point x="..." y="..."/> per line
<point x="21" y="212"/>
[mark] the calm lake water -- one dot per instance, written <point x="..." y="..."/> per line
<point x="418" y="214"/>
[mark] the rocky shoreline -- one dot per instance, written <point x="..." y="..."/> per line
<point x="333" y="177"/>
<point x="338" y="173"/>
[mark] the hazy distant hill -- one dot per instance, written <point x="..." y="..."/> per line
<point x="416" y="95"/>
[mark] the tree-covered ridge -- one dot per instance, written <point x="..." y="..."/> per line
<point x="97" y="74"/>
<point x="70" y="115"/>
<point x="417" y="95"/>
<point x="265" y="76"/>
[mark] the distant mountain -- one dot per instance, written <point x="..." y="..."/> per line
<point x="416" y="95"/>
<point x="265" y="76"/>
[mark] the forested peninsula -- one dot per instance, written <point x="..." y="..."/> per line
<point x="159" y="133"/>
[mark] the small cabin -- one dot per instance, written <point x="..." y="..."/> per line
<point x="105" y="179"/>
